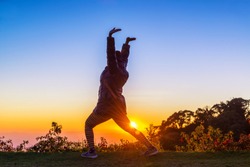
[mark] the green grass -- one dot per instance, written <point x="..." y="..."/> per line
<point x="127" y="159"/>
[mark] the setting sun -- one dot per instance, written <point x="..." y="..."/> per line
<point x="133" y="124"/>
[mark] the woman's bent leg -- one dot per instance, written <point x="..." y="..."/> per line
<point x="93" y="120"/>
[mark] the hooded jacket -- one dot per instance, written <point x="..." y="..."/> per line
<point x="115" y="74"/>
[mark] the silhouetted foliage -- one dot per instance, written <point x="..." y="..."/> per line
<point x="22" y="147"/>
<point x="6" y="145"/>
<point x="232" y="116"/>
<point x="52" y="141"/>
<point x="210" y="139"/>
<point x="179" y="119"/>
<point x="204" y="116"/>
<point x="153" y="136"/>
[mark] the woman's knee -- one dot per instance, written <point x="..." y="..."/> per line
<point x="88" y="124"/>
<point x="132" y="130"/>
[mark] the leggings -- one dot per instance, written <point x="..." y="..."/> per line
<point x="120" y="119"/>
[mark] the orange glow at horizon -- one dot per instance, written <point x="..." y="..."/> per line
<point x="27" y="125"/>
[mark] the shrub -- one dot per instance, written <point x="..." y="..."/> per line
<point x="153" y="136"/>
<point x="244" y="142"/>
<point x="6" y="145"/>
<point x="209" y="139"/>
<point x="52" y="141"/>
<point x="22" y="147"/>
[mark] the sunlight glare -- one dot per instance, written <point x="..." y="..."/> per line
<point x="133" y="124"/>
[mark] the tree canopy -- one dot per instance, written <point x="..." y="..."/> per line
<point x="230" y="116"/>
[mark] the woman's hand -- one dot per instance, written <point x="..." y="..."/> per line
<point x="130" y="39"/>
<point x="114" y="30"/>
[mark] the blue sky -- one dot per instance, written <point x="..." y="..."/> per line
<point x="188" y="54"/>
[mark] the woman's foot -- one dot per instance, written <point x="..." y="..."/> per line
<point x="90" y="154"/>
<point x="151" y="151"/>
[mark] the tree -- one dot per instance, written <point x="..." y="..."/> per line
<point x="178" y="120"/>
<point x="204" y="116"/>
<point x="171" y="128"/>
<point x="234" y="115"/>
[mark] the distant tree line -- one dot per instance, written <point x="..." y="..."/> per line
<point x="231" y="116"/>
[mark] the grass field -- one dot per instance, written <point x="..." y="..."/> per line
<point x="126" y="159"/>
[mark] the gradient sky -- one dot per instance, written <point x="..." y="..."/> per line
<point x="188" y="54"/>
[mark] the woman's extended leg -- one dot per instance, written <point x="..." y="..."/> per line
<point x="124" y="122"/>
